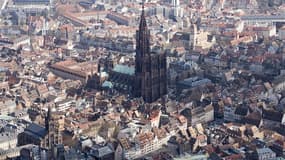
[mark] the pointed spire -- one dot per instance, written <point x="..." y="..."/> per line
<point x="143" y="36"/>
<point x="143" y="21"/>
<point x="142" y="6"/>
<point x="142" y="15"/>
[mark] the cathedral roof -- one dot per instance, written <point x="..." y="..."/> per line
<point x="36" y="130"/>
<point x="124" y="69"/>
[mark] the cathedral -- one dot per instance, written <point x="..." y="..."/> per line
<point x="150" y="67"/>
<point x="148" y="79"/>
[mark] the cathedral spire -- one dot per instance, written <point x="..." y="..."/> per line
<point x="143" y="37"/>
<point x="143" y="25"/>
<point x="150" y="72"/>
<point x="143" y="5"/>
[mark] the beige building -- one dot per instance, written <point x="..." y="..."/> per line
<point x="7" y="106"/>
<point x="200" y="38"/>
<point x="202" y="115"/>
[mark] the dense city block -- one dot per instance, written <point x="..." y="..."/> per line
<point x="142" y="79"/>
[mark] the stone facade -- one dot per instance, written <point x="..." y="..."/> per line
<point x="150" y="72"/>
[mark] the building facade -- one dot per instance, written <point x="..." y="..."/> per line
<point x="144" y="143"/>
<point x="150" y="72"/>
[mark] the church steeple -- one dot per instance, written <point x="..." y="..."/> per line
<point x="150" y="71"/>
<point x="143" y="25"/>
<point x="143" y="36"/>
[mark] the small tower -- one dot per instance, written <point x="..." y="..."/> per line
<point x="48" y="118"/>
<point x="54" y="124"/>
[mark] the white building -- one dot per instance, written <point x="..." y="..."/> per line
<point x="144" y="143"/>
<point x="8" y="141"/>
